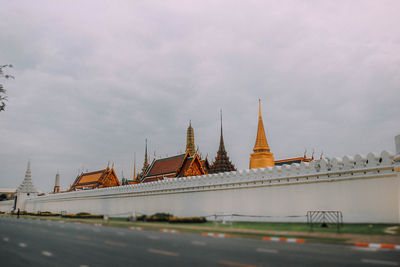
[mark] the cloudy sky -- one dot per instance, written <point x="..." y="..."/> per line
<point x="93" y="79"/>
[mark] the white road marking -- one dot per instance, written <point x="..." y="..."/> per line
<point x="6" y="239"/>
<point x="47" y="253"/>
<point x="199" y="243"/>
<point x="265" y="250"/>
<point x="83" y="265"/>
<point x="154" y="237"/>
<point x="390" y="263"/>
<point x="22" y="245"/>
<point x="163" y="252"/>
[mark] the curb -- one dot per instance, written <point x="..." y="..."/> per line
<point x="169" y="231"/>
<point x="283" y="239"/>
<point x="215" y="234"/>
<point x="375" y="245"/>
<point x="136" y="228"/>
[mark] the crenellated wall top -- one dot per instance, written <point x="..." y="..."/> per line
<point x="352" y="167"/>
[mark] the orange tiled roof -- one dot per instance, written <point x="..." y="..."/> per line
<point x="91" y="177"/>
<point x="165" y="165"/>
<point x="185" y="166"/>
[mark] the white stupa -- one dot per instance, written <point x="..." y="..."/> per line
<point x="27" y="186"/>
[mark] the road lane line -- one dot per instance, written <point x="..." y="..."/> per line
<point x="6" y="239"/>
<point x="169" y="231"/>
<point x="380" y="262"/>
<point x="47" y="253"/>
<point x="163" y="252"/>
<point x="136" y="228"/>
<point x="267" y="250"/>
<point x="115" y="244"/>
<point x="199" y="243"/>
<point x="231" y="263"/>
<point x="22" y="245"/>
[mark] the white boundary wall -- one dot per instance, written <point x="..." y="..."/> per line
<point x="364" y="188"/>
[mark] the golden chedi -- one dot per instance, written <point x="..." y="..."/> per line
<point x="262" y="157"/>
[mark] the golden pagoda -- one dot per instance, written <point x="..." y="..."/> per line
<point x="262" y="157"/>
<point x="190" y="147"/>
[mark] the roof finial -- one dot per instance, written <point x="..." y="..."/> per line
<point x="259" y="108"/>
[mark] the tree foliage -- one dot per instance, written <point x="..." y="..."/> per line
<point x="3" y="92"/>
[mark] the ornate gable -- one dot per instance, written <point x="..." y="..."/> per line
<point x="96" y="179"/>
<point x="191" y="166"/>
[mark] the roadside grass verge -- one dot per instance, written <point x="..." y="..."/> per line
<point x="238" y="229"/>
<point x="364" y="229"/>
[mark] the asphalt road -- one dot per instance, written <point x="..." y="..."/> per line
<point x="26" y="242"/>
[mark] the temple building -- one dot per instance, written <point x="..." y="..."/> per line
<point x="221" y="162"/>
<point x="262" y="156"/>
<point x="290" y="161"/>
<point x="176" y="166"/>
<point x="96" y="179"/>
<point x="182" y="165"/>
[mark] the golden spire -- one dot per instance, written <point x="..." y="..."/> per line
<point x="262" y="156"/>
<point x="261" y="141"/>
<point x="190" y="147"/>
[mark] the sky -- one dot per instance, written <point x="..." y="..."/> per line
<point x="94" y="79"/>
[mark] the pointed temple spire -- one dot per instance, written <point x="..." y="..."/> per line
<point x="27" y="186"/>
<point x="146" y="162"/>
<point x="261" y="141"/>
<point x="262" y="156"/>
<point x="222" y="162"/>
<point x="221" y="140"/>
<point x="190" y="147"/>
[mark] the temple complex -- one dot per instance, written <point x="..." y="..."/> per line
<point x="96" y="179"/>
<point x="182" y="165"/>
<point x="221" y="162"/>
<point x="262" y="156"/>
